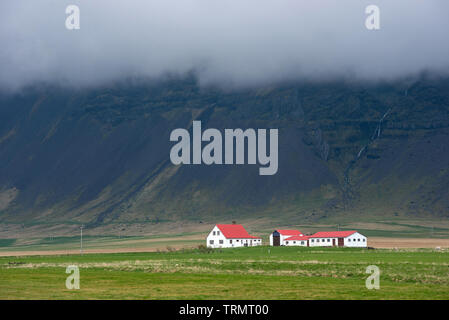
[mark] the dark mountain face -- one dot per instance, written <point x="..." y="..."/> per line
<point x="101" y="156"/>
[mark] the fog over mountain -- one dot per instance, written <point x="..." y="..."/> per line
<point x="247" y="42"/>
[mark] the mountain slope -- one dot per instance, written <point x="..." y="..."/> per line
<point x="101" y="156"/>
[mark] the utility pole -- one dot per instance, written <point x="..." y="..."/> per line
<point x="81" y="244"/>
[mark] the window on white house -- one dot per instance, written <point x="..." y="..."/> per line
<point x="313" y="240"/>
<point x="349" y="240"/>
<point x="328" y="240"/>
<point x="221" y="241"/>
<point x="230" y="241"/>
<point x="211" y="241"/>
<point x="302" y="242"/>
<point x="286" y="242"/>
<point x="218" y="233"/>
<point x="364" y="240"/>
<point x="358" y="239"/>
<point x="294" y="241"/>
<point x="237" y="240"/>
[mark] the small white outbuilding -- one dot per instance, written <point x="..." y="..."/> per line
<point x="277" y="238"/>
<point x="301" y="241"/>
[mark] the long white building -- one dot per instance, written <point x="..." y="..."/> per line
<point x="231" y="235"/>
<point x="329" y="239"/>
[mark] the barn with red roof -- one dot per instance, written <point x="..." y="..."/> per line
<point x="231" y="235"/>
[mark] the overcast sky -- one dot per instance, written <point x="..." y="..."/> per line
<point x="241" y="42"/>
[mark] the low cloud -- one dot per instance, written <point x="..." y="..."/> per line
<point x="245" y="42"/>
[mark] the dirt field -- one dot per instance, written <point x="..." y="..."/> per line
<point x="66" y="252"/>
<point x="390" y="243"/>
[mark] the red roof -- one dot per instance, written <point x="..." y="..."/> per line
<point x="332" y="234"/>
<point x="289" y="232"/>
<point x="300" y="238"/>
<point x="235" y="231"/>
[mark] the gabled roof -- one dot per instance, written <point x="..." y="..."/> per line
<point x="333" y="234"/>
<point x="299" y="238"/>
<point x="289" y="232"/>
<point x="235" y="231"/>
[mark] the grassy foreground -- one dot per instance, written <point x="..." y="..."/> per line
<point x="242" y="273"/>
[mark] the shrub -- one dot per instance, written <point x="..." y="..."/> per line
<point x="204" y="249"/>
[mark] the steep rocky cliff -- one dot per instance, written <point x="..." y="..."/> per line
<point x="101" y="156"/>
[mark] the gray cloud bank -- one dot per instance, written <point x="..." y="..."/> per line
<point x="241" y="42"/>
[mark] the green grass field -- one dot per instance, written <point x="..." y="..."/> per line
<point x="241" y="273"/>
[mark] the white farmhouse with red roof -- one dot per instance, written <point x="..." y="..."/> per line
<point x="231" y="235"/>
<point x="278" y="237"/>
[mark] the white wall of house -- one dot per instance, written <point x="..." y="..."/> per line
<point x="322" y="242"/>
<point x="244" y="242"/>
<point x="298" y="243"/>
<point x="356" y="240"/>
<point x="216" y="239"/>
